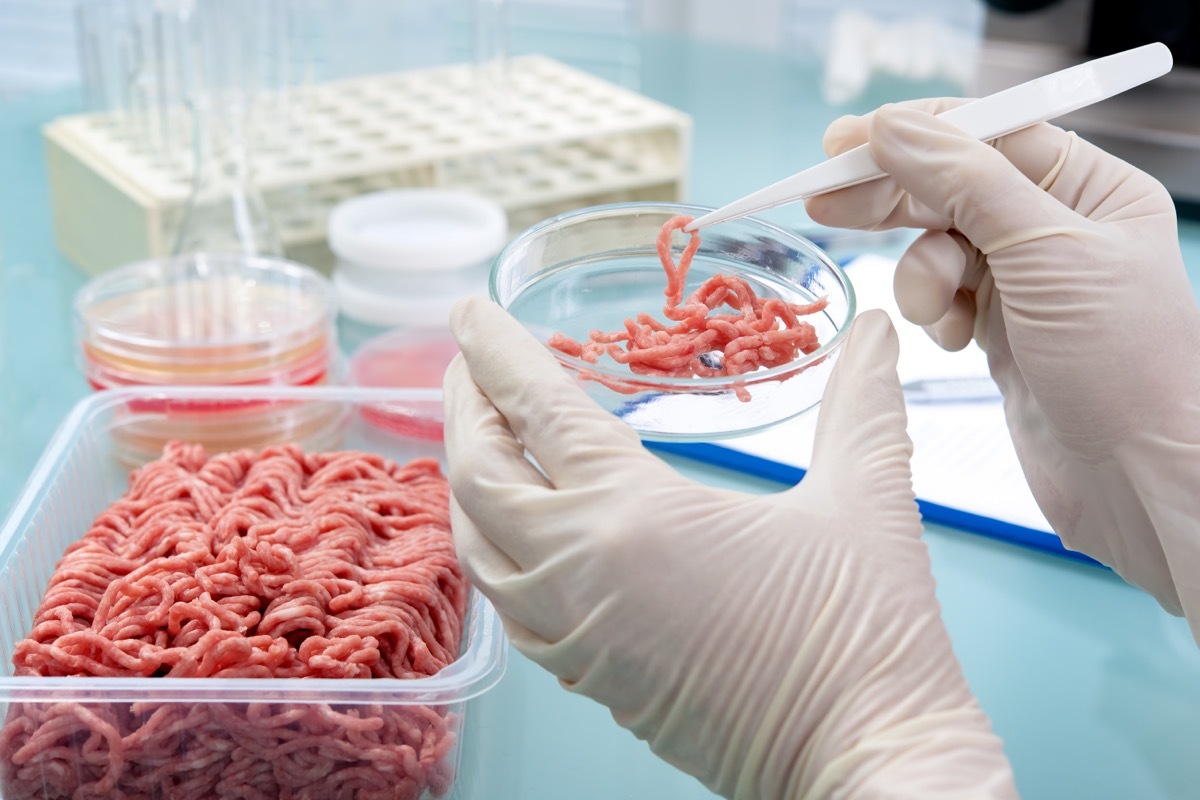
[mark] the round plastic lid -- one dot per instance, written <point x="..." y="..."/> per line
<point x="417" y="229"/>
<point x="404" y="359"/>
<point x="390" y="310"/>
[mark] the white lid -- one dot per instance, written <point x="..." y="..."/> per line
<point x="417" y="229"/>
<point x="391" y="310"/>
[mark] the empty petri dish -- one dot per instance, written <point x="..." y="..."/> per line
<point x="592" y="269"/>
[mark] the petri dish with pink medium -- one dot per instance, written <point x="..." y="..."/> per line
<point x="210" y="319"/>
<point x="410" y="359"/>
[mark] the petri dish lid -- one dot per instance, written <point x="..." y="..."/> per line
<point x="389" y="309"/>
<point x="405" y="358"/>
<point x="417" y="229"/>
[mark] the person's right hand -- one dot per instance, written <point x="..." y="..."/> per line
<point x="1063" y="262"/>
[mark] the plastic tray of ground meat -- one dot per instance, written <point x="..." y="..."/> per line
<point x="691" y="340"/>
<point x="174" y="738"/>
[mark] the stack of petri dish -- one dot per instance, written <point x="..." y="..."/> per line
<point x="404" y="258"/>
<point x="221" y="319"/>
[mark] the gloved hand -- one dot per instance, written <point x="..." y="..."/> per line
<point x="1063" y="262"/>
<point x="785" y="645"/>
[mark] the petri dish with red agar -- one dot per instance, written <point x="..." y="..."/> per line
<point x="405" y="358"/>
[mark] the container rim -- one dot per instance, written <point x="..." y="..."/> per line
<point x="479" y="668"/>
<point x="482" y="228"/>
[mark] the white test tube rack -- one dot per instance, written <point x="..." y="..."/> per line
<point x="569" y="139"/>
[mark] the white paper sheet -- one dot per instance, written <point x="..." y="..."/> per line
<point x="963" y="457"/>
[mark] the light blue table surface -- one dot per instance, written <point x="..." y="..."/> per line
<point x="1094" y="689"/>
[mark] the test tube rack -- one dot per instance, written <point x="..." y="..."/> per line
<point x="564" y="139"/>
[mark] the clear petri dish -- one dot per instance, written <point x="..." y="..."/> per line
<point x="592" y="269"/>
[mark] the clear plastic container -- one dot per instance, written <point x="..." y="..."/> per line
<point x="405" y="256"/>
<point x="591" y="269"/>
<point x="82" y="471"/>
<point x="212" y="319"/>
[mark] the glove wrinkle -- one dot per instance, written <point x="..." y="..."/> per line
<point x="880" y="766"/>
<point x="1046" y="184"/>
<point x="862" y="713"/>
<point x="1020" y="237"/>
<point x="985" y="296"/>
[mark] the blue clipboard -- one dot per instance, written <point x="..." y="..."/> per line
<point x="737" y="461"/>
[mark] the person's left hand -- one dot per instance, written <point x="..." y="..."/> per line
<point x="785" y="645"/>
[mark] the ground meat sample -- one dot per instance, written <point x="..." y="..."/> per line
<point x="271" y="564"/>
<point x="761" y="334"/>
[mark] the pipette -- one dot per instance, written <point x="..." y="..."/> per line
<point x="991" y="117"/>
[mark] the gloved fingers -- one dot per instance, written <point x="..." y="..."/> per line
<point x="861" y="442"/>
<point x="1038" y="152"/>
<point x="929" y="275"/>
<point x="521" y="594"/>
<point x="880" y="204"/>
<point x="848" y="132"/>
<point x="513" y="529"/>
<point x="493" y="482"/>
<point x="485" y="565"/>
<point x="1093" y="182"/>
<point x="569" y="659"/>
<point x="563" y="429"/>
<point x="983" y="195"/>
<point x="956" y="328"/>
<point x="525" y="640"/>
<point x="934" y="285"/>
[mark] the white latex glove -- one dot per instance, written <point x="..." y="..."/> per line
<point x="786" y="645"/>
<point x="1063" y="262"/>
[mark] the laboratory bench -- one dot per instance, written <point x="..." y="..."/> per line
<point x="1094" y="689"/>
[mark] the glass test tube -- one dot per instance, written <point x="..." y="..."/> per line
<point x="491" y="41"/>
<point x="225" y="212"/>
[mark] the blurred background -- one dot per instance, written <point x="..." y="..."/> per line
<point x="38" y="39"/>
<point x="120" y="118"/>
<point x="976" y="45"/>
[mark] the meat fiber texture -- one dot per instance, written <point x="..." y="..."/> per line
<point x="270" y="564"/>
<point x="760" y="334"/>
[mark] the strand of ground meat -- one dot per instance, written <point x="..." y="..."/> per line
<point x="270" y="564"/>
<point x="761" y="334"/>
